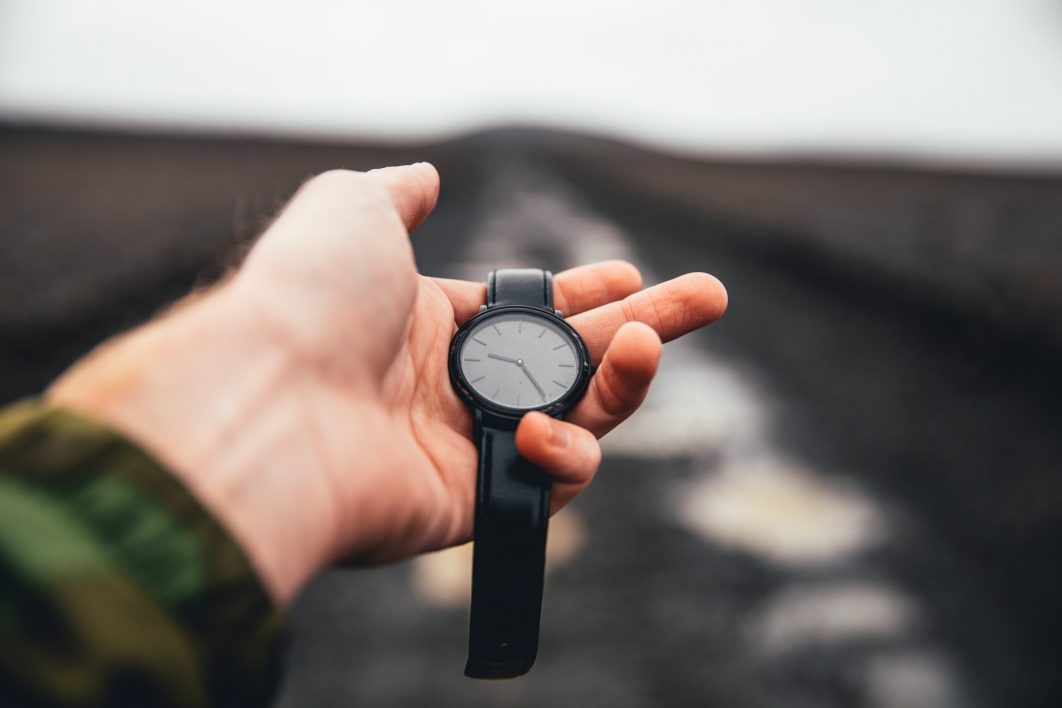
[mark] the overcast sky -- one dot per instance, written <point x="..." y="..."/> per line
<point x="946" y="80"/>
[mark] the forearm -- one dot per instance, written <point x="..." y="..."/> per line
<point x="201" y="390"/>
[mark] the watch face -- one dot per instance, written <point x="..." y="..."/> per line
<point x="520" y="360"/>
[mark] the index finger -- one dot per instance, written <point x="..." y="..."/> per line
<point x="673" y="309"/>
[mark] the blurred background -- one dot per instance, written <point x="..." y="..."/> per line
<point x="848" y="492"/>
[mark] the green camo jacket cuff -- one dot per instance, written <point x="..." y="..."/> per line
<point x="117" y="588"/>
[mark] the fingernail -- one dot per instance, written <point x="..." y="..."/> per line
<point x="558" y="434"/>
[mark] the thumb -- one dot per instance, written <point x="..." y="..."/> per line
<point x="414" y="190"/>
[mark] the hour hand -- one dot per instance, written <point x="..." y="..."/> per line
<point x="501" y="358"/>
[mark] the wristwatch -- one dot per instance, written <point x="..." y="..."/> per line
<point x="516" y="355"/>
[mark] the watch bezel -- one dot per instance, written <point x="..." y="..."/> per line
<point x="476" y="400"/>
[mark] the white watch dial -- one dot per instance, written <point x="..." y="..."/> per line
<point x="519" y="360"/>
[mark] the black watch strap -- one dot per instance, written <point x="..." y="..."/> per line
<point x="520" y="286"/>
<point x="512" y="519"/>
<point x="508" y="558"/>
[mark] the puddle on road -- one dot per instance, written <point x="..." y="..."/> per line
<point x="780" y="512"/>
<point x="830" y="613"/>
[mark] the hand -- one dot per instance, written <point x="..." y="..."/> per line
<point x="306" y="401"/>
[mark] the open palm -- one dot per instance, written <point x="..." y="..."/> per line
<point x="400" y="324"/>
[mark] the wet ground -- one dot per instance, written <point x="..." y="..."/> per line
<point x="846" y="493"/>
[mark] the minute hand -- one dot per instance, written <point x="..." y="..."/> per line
<point x="535" y="383"/>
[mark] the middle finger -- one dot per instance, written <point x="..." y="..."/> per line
<point x="673" y="309"/>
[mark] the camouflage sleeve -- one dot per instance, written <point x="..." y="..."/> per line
<point x="116" y="587"/>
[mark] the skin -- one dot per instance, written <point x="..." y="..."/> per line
<point x="305" y="400"/>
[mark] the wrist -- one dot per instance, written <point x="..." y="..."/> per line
<point x="203" y="390"/>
